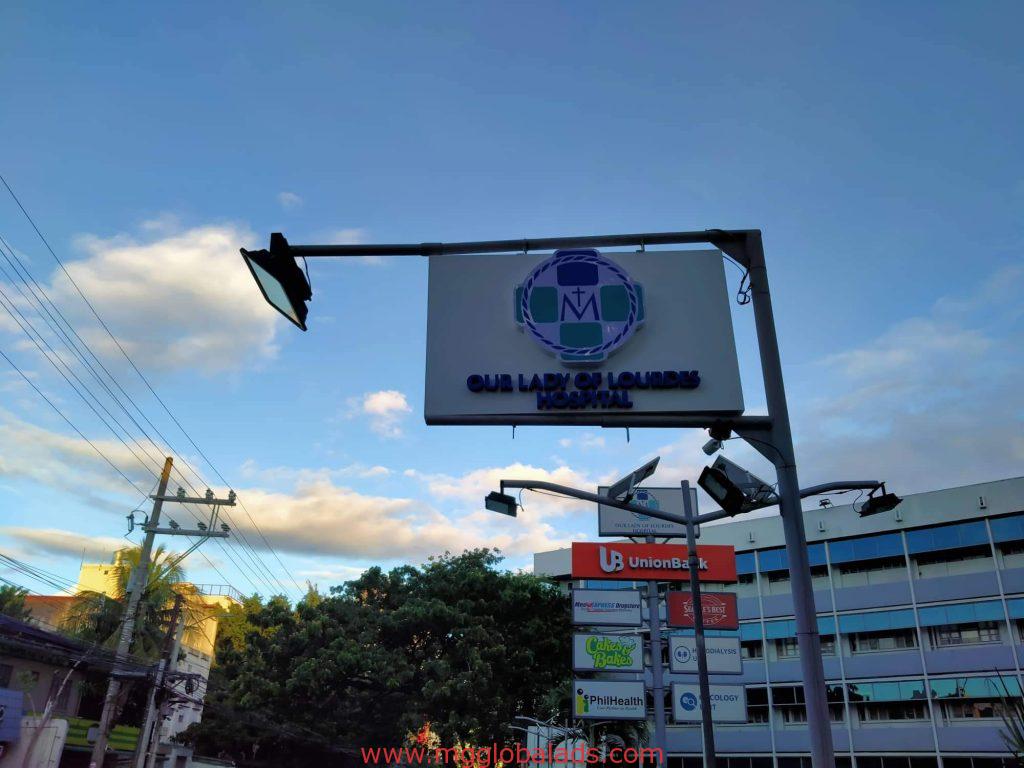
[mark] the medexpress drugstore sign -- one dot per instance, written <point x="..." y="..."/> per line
<point x="661" y="562"/>
<point x="607" y="700"/>
<point x="578" y="337"/>
<point x="607" y="607"/>
<point x="607" y="653"/>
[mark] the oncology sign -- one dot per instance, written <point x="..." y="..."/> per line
<point x="728" y="703"/>
<point x="580" y="336"/>
<point x="607" y="607"/>
<point x="642" y="562"/>
<point x="607" y="653"/>
<point x="718" y="609"/>
<point x="612" y="521"/>
<point x="607" y="700"/>
<point x="723" y="655"/>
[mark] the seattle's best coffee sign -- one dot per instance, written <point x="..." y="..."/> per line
<point x="579" y="336"/>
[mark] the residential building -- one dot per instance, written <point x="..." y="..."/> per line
<point x="921" y="615"/>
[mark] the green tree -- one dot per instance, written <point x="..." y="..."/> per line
<point x="457" y="642"/>
<point x="12" y="602"/>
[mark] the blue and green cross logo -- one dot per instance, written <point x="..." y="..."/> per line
<point x="579" y="305"/>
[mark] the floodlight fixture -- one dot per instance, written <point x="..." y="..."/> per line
<point x="624" y="489"/>
<point x="757" y="491"/>
<point x="501" y="503"/>
<point x="884" y="502"/>
<point x="280" y="279"/>
<point x="722" y="490"/>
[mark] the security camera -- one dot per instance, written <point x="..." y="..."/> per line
<point x="712" y="446"/>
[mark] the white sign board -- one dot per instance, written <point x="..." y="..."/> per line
<point x="579" y="337"/>
<point x="728" y="703"/>
<point x="607" y="653"/>
<point x="607" y="607"/>
<point x="607" y="700"/>
<point x="612" y="521"/>
<point x="723" y="654"/>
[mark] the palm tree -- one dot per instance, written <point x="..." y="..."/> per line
<point x="96" y="616"/>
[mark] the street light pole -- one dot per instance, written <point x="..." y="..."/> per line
<point x="706" y="725"/>
<point x="657" y="671"/>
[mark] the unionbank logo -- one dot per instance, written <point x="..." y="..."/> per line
<point x="579" y="305"/>
<point x="611" y="560"/>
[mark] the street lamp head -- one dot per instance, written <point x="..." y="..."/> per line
<point x="884" y="502"/>
<point x="280" y="279"/>
<point x="724" y="491"/>
<point x="501" y="503"/>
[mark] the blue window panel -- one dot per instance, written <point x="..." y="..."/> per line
<point x="610" y="584"/>
<point x="895" y="690"/>
<point x="877" y="621"/>
<point x="1009" y="528"/>
<point x="774" y="630"/>
<point x="991" y="687"/>
<point x="1016" y="608"/>
<point x="777" y="560"/>
<point x="866" y="548"/>
<point x="964" y="613"/>
<point x="750" y="631"/>
<point x="947" y="537"/>
<point x="745" y="563"/>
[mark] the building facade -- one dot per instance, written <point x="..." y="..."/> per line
<point x="921" y="614"/>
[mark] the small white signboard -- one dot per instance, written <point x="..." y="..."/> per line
<point x="728" y="703"/>
<point x="607" y="653"/>
<point x="608" y="700"/>
<point x="723" y="655"/>
<point x="607" y="607"/>
<point x="612" y="521"/>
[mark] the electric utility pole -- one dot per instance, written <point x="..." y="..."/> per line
<point x="137" y="583"/>
<point x="148" y="742"/>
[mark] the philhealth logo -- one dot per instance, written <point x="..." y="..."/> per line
<point x="582" y="705"/>
<point x="579" y="305"/>
<point x="688" y="701"/>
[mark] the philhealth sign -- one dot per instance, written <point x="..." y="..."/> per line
<point x="607" y="653"/>
<point x="579" y="336"/>
<point x="608" y="700"/>
<point x="660" y="562"/>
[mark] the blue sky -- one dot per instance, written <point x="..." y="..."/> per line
<point x="876" y="145"/>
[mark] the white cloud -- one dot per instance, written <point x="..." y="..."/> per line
<point x="53" y="541"/>
<point x="179" y="300"/>
<point x="289" y="200"/>
<point x="587" y="441"/>
<point x="385" y="410"/>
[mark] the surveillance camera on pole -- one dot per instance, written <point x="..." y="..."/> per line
<point x="625" y="488"/>
<point x="280" y="279"/>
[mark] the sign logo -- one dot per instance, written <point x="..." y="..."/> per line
<point x="682" y="654"/>
<point x="582" y="703"/>
<point x="579" y="305"/>
<point x="688" y="701"/>
<point x="645" y="499"/>
<point x="611" y="561"/>
<point x="611" y="652"/>
<point x="718" y="609"/>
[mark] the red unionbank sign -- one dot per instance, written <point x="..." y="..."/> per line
<point x="661" y="562"/>
<point x="717" y="608"/>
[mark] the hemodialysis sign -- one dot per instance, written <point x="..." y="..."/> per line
<point x="579" y="336"/>
<point x="642" y="562"/>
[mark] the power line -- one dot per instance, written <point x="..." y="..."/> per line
<point x="74" y="348"/>
<point x="149" y="386"/>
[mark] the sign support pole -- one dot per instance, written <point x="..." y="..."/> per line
<point x="657" y="671"/>
<point x="707" y="728"/>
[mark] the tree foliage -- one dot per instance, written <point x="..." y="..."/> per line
<point x="457" y="642"/>
<point x="12" y="602"/>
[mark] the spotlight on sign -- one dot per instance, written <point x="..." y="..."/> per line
<point x="280" y="279"/>
<point x="501" y="503"/>
<point x="884" y="502"/>
<point x="724" y="491"/>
